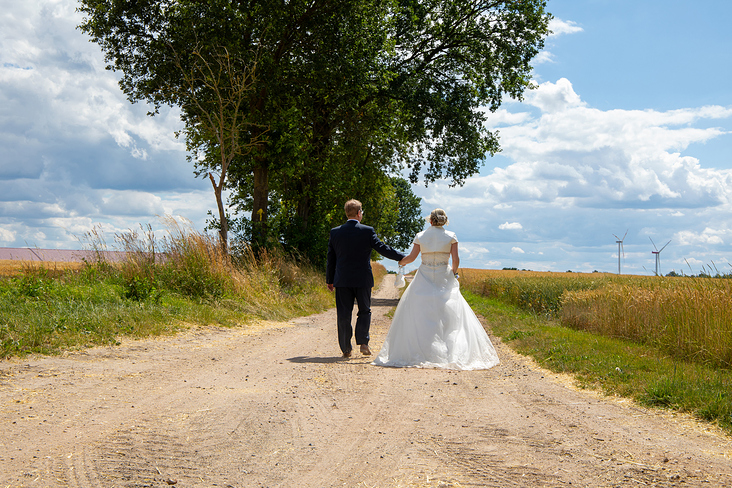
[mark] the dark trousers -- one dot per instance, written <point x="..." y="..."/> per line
<point x="345" y="297"/>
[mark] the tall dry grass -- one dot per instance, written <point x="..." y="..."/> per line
<point x="614" y="365"/>
<point x="159" y="285"/>
<point x="270" y="284"/>
<point x="687" y="318"/>
<point x="538" y="292"/>
<point x="379" y="272"/>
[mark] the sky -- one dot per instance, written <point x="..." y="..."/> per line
<point x="627" y="134"/>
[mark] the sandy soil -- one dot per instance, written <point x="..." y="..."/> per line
<point x="275" y="406"/>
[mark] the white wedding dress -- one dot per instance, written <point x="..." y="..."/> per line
<point x="433" y="326"/>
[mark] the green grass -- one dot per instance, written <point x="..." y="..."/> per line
<point x="163" y="286"/>
<point x="46" y="315"/>
<point x="614" y="366"/>
<point x="46" y="312"/>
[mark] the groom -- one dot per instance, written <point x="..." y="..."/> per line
<point x="349" y="272"/>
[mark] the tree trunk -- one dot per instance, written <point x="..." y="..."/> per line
<point x="224" y="223"/>
<point x="303" y="211"/>
<point x="260" y="195"/>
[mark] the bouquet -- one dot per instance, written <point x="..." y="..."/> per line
<point x="399" y="280"/>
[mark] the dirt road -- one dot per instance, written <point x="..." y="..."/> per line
<point x="275" y="406"/>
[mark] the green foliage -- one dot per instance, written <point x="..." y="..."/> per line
<point x="141" y="289"/>
<point x="31" y="286"/>
<point x="389" y="204"/>
<point x="340" y="94"/>
<point x="409" y="220"/>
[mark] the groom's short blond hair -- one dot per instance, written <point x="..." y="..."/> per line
<point x="352" y="207"/>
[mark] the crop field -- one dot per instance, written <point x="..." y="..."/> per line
<point x="688" y="318"/>
<point x="12" y="267"/>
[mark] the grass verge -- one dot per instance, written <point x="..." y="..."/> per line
<point x="614" y="366"/>
<point x="49" y="314"/>
<point x="160" y="288"/>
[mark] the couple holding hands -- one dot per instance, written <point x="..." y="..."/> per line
<point x="433" y="326"/>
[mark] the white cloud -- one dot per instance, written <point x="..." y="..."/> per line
<point x="510" y="226"/>
<point x="192" y="205"/>
<point x="517" y="250"/>
<point x="559" y="27"/>
<point x="543" y="57"/>
<point x="76" y="152"/>
<point x="707" y="236"/>
<point x="53" y="83"/>
<point x="503" y="117"/>
<point x="554" y="97"/>
<point x="6" y="235"/>
<point x="626" y="157"/>
<point x="473" y="252"/>
<point x="130" y="202"/>
<point x="476" y="248"/>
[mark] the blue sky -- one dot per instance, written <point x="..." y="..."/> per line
<point x="628" y="129"/>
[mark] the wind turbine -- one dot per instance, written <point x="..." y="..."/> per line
<point x="657" y="252"/>
<point x="620" y="247"/>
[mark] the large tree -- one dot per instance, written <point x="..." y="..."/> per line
<point x="344" y="89"/>
<point x="419" y="101"/>
<point x="198" y="55"/>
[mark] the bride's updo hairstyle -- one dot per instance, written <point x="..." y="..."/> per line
<point x="438" y="217"/>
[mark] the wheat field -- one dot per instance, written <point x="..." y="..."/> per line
<point x="688" y="318"/>
<point x="13" y="267"/>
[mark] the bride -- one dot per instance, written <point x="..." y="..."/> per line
<point x="433" y="326"/>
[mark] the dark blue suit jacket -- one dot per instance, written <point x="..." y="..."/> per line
<point x="349" y="255"/>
